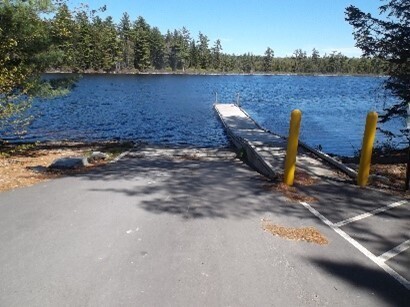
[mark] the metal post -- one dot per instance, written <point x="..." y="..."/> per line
<point x="367" y="148"/>
<point x="292" y="148"/>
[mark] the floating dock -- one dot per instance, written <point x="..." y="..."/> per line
<point x="266" y="151"/>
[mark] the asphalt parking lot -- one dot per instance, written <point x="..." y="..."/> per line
<point x="375" y="223"/>
<point x="159" y="230"/>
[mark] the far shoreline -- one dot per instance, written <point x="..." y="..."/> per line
<point x="196" y="73"/>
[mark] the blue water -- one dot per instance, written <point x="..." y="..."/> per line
<point x="174" y="109"/>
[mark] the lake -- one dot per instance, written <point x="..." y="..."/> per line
<point x="177" y="109"/>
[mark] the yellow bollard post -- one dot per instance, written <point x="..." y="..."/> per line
<point x="367" y="148"/>
<point x="292" y="148"/>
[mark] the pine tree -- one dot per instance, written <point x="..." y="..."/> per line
<point x="83" y="43"/>
<point x="203" y="51"/>
<point x="268" y="60"/>
<point x="217" y="55"/>
<point x="157" y="50"/>
<point x="111" y="47"/>
<point x="193" y="55"/>
<point x="62" y="35"/>
<point x="299" y="57"/>
<point x="247" y="63"/>
<point x="184" y="38"/>
<point x="142" y="57"/>
<point x="125" y="33"/>
<point x="387" y="39"/>
<point x="175" y="47"/>
<point x="315" y="61"/>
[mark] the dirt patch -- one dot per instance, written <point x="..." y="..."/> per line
<point x="304" y="179"/>
<point x="21" y="171"/>
<point x="25" y="165"/>
<point x="389" y="175"/>
<point x="292" y="193"/>
<point x="387" y="172"/>
<point x="389" y="178"/>
<point x="307" y="234"/>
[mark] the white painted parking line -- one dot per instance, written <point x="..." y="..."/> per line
<point x="370" y="213"/>
<point x="360" y="247"/>
<point x="395" y="251"/>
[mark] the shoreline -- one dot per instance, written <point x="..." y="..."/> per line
<point x="27" y="164"/>
<point x="391" y="156"/>
<point x="196" y="73"/>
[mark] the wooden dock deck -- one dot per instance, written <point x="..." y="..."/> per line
<point x="266" y="151"/>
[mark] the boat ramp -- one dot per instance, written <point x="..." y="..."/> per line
<point x="265" y="151"/>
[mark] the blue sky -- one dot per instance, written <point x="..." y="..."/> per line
<point x="250" y="25"/>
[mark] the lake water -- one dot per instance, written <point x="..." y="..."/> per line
<point x="177" y="109"/>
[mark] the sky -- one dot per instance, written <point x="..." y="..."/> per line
<point x="250" y="25"/>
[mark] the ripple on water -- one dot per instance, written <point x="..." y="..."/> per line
<point x="178" y="109"/>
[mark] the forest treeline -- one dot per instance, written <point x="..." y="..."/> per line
<point x="84" y="42"/>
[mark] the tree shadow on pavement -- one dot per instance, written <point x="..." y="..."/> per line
<point x="379" y="233"/>
<point x="194" y="188"/>
<point x="339" y="201"/>
<point x="228" y="189"/>
<point x="377" y="282"/>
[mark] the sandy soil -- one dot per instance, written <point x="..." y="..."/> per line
<point x="25" y="165"/>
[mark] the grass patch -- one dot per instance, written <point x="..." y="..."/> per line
<point x="17" y="150"/>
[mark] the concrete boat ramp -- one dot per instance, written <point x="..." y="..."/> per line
<point x="266" y="151"/>
<point x="357" y="214"/>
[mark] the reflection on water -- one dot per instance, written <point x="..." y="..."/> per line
<point x="178" y="109"/>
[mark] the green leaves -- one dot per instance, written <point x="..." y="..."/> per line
<point x="142" y="50"/>
<point x="387" y="38"/>
<point x="268" y="60"/>
<point x="23" y="54"/>
<point x="28" y="49"/>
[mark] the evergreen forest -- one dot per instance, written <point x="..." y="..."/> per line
<point x="84" y="42"/>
